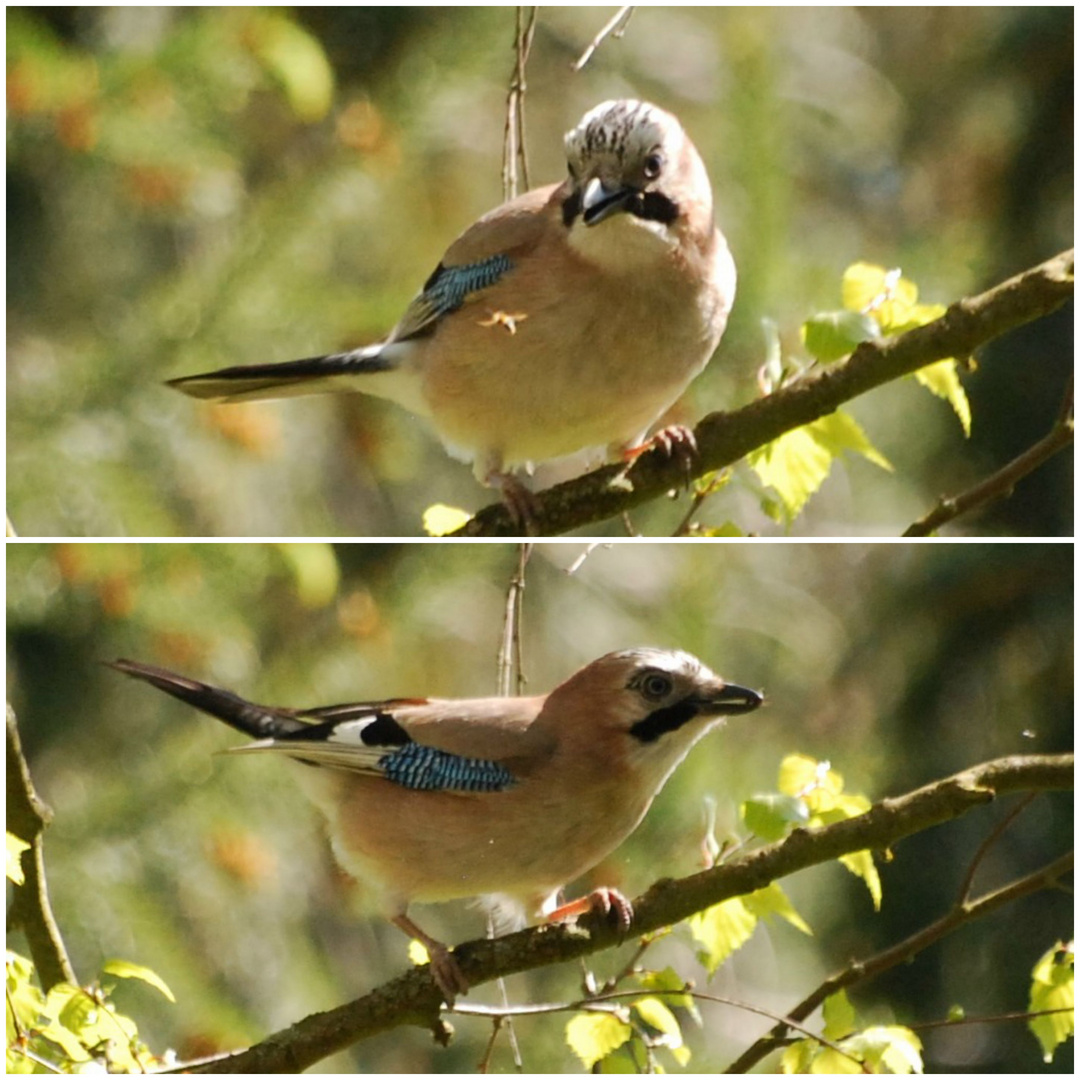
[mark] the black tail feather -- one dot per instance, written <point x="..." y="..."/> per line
<point x="258" y="721"/>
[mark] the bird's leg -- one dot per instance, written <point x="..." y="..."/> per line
<point x="519" y="501"/>
<point x="448" y="976"/>
<point x="604" y="900"/>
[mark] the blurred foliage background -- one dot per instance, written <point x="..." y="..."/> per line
<point x="195" y="187"/>
<point x="899" y="663"/>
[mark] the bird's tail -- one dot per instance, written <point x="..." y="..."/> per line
<point x="254" y="382"/>
<point x="258" y="721"/>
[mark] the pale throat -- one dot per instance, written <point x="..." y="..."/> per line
<point x="623" y="243"/>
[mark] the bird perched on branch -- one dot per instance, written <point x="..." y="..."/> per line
<point x="507" y="799"/>
<point x="568" y="319"/>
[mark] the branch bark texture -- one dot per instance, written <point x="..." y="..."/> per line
<point x="724" y="438"/>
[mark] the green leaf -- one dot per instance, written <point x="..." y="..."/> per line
<point x="796" y="464"/>
<point x="315" y="570"/>
<point x="671" y="987"/>
<point x="1052" y="988"/>
<point x="943" y="380"/>
<point x="861" y="864"/>
<point x="15" y="848"/>
<point x="720" y="930"/>
<point x="124" y="969"/>
<point x="830" y="335"/>
<point x="772" y="816"/>
<point x="729" y="528"/>
<point x="839" y="1016"/>
<point x="840" y="431"/>
<point x="895" y="1049"/>
<point x="813" y="781"/>
<point x="883" y="294"/>
<point x="297" y="59"/>
<point x="657" y="1015"/>
<point x="440" y="519"/>
<point x="772" y="900"/>
<point x="592" y="1036"/>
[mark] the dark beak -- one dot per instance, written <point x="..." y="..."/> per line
<point x="599" y="202"/>
<point x="731" y="700"/>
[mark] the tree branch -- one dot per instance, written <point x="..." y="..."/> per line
<point x="1001" y="484"/>
<point x="414" y="999"/>
<point x="27" y="817"/>
<point x="724" y="438"/>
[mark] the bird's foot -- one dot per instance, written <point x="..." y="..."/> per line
<point x="445" y="970"/>
<point x="521" y="503"/>
<point x="676" y="441"/>
<point x="605" y="900"/>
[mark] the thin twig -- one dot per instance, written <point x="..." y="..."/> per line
<point x="514" y="152"/>
<point x="595" y="1004"/>
<point x="510" y="670"/>
<point x="615" y="27"/>
<point x="926" y="1025"/>
<point x="1002" y="483"/>
<point x="992" y="838"/>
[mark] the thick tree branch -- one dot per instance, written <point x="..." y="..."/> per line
<point x="724" y="438"/>
<point x="413" y="998"/>
<point x="27" y="817"/>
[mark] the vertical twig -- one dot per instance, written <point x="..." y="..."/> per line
<point x="509" y="661"/>
<point x="514" y="153"/>
<point x="510" y="678"/>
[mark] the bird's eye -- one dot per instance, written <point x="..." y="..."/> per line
<point x="653" y="164"/>
<point x="656" y="685"/>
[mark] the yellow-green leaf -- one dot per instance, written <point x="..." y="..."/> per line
<point x="671" y="987"/>
<point x="720" y="930"/>
<point x="592" y="1036"/>
<point x="830" y="335"/>
<point x="861" y="864"/>
<point x="839" y="1016"/>
<point x="297" y="59"/>
<point x="124" y="969"/>
<point x="656" y="1014"/>
<point x="417" y="953"/>
<point x="811" y="780"/>
<point x="315" y="570"/>
<point x="896" y="1049"/>
<point x="840" y="431"/>
<point x="772" y="816"/>
<point x="943" y="380"/>
<point x="796" y="464"/>
<point x="15" y="848"/>
<point x="772" y="900"/>
<point x="1052" y="987"/>
<point x="883" y="294"/>
<point x="440" y="519"/>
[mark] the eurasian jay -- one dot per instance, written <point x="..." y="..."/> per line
<point x="568" y="319"/>
<point x="503" y="798"/>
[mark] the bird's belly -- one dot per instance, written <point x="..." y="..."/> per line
<point x="435" y="846"/>
<point x="539" y="392"/>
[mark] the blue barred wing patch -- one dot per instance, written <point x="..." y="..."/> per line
<point x="423" y="768"/>
<point x="447" y="289"/>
